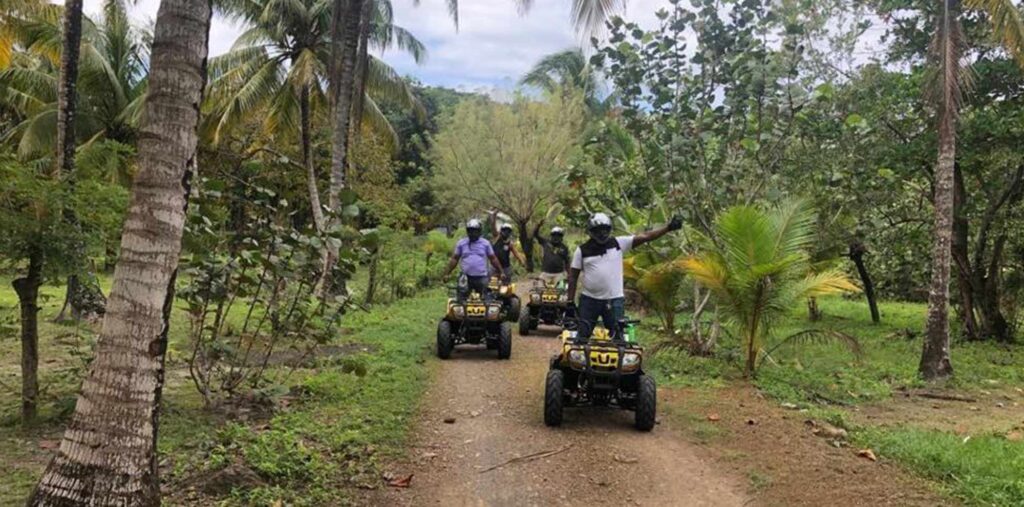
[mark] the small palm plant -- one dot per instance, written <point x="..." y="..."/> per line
<point x="757" y="268"/>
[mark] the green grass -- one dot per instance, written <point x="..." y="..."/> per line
<point x="982" y="470"/>
<point x="344" y="418"/>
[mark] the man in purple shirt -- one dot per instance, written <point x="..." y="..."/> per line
<point x="473" y="252"/>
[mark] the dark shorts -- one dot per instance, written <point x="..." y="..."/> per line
<point x="477" y="284"/>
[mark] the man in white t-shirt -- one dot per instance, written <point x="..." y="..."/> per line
<point x="599" y="261"/>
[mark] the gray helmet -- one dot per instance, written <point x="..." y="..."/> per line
<point x="599" y="220"/>
<point x="557" y="230"/>
<point x="505" y="227"/>
<point x="473" y="224"/>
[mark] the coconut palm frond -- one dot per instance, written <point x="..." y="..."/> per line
<point x="1007" y="24"/>
<point x="383" y="82"/>
<point x="375" y="121"/>
<point x="588" y="16"/>
<point x="395" y="37"/>
<point x="818" y="336"/>
<point x="950" y="76"/>
<point x="260" y="87"/>
<point x="37" y="133"/>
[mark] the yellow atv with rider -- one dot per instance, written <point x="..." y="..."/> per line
<point x="473" y="318"/>
<point x="605" y="371"/>
<point x="547" y="304"/>
<point x="505" y="291"/>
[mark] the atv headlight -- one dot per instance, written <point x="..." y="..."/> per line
<point x="459" y="311"/>
<point x="493" y="311"/>
<point x="630" y="361"/>
<point x="503" y="290"/>
<point x="534" y="297"/>
<point x="577" y="358"/>
<point x="564" y="298"/>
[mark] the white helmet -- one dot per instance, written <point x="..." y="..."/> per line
<point x="599" y="220"/>
<point x="505" y="227"/>
<point x="473" y="224"/>
<point x="557" y="230"/>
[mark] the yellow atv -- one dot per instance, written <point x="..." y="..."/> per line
<point x="474" y="319"/>
<point x="546" y="305"/>
<point x="606" y="371"/>
<point x="506" y="292"/>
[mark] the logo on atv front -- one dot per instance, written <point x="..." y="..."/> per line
<point x="604" y="358"/>
<point x="476" y="310"/>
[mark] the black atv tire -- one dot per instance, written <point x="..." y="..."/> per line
<point x="646" y="403"/>
<point x="524" y="323"/>
<point x="505" y="341"/>
<point x="514" y="308"/>
<point x="445" y="340"/>
<point x="554" y="397"/>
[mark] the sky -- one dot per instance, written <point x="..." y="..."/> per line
<point x="492" y="48"/>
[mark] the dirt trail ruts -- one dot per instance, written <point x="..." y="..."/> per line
<point x="497" y="406"/>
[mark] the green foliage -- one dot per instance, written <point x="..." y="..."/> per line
<point x="981" y="469"/>
<point x="758" y="270"/>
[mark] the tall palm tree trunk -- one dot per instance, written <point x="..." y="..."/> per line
<point x="361" y="68"/>
<point x="108" y="453"/>
<point x="81" y="299"/>
<point x="344" y="46"/>
<point x="935" y="360"/>
<point x="307" y="160"/>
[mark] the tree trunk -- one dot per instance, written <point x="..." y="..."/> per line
<point x="935" y="360"/>
<point x="857" y="251"/>
<point x="307" y="160"/>
<point x="108" y="453"/>
<point x="82" y="300"/>
<point x="27" y="289"/>
<point x="526" y="242"/>
<point x="994" y="324"/>
<point x="371" y="284"/>
<point x="813" y="311"/>
<point x="345" y="37"/>
<point x="361" y="68"/>
<point x="964" y="272"/>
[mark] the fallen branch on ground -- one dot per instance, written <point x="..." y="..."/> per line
<point x="528" y="457"/>
<point x="948" y="397"/>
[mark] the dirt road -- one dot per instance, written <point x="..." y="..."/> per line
<point x="599" y="460"/>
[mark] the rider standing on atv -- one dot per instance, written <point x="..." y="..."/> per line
<point x="473" y="252"/>
<point x="600" y="262"/>
<point x="504" y="247"/>
<point x="554" y="265"/>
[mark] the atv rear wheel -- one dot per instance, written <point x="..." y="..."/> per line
<point x="445" y="340"/>
<point x="524" y="323"/>
<point x="554" y="386"/>
<point x="646" y="403"/>
<point x="514" y="307"/>
<point x="505" y="341"/>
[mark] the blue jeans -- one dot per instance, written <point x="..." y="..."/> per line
<point x="609" y="310"/>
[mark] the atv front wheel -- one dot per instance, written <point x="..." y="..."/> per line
<point x="505" y="341"/>
<point x="514" y="307"/>
<point x="646" y="403"/>
<point x="554" y="385"/>
<point x="445" y="341"/>
<point x="524" y="323"/>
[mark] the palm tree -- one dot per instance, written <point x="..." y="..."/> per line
<point x="108" y="453"/>
<point x="757" y="270"/>
<point x="110" y="86"/>
<point x="279" y="66"/>
<point x="566" y="69"/>
<point x="948" y="49"/>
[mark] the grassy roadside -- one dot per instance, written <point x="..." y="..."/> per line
<point x="334" y="423"/>
<point x="979" y="463"/>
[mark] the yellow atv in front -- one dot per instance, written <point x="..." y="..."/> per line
<point x="605" y="371"/>
<point x="505" y="290"/>
<point x="473" y="318"/>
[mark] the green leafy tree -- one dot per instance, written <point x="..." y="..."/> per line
<point x="757" y="269"/>
<point x="507" y="156"/>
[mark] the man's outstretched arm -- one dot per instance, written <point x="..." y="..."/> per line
<point x="653" y="234"/>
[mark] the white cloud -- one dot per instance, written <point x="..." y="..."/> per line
<point x="493" y="47"/>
